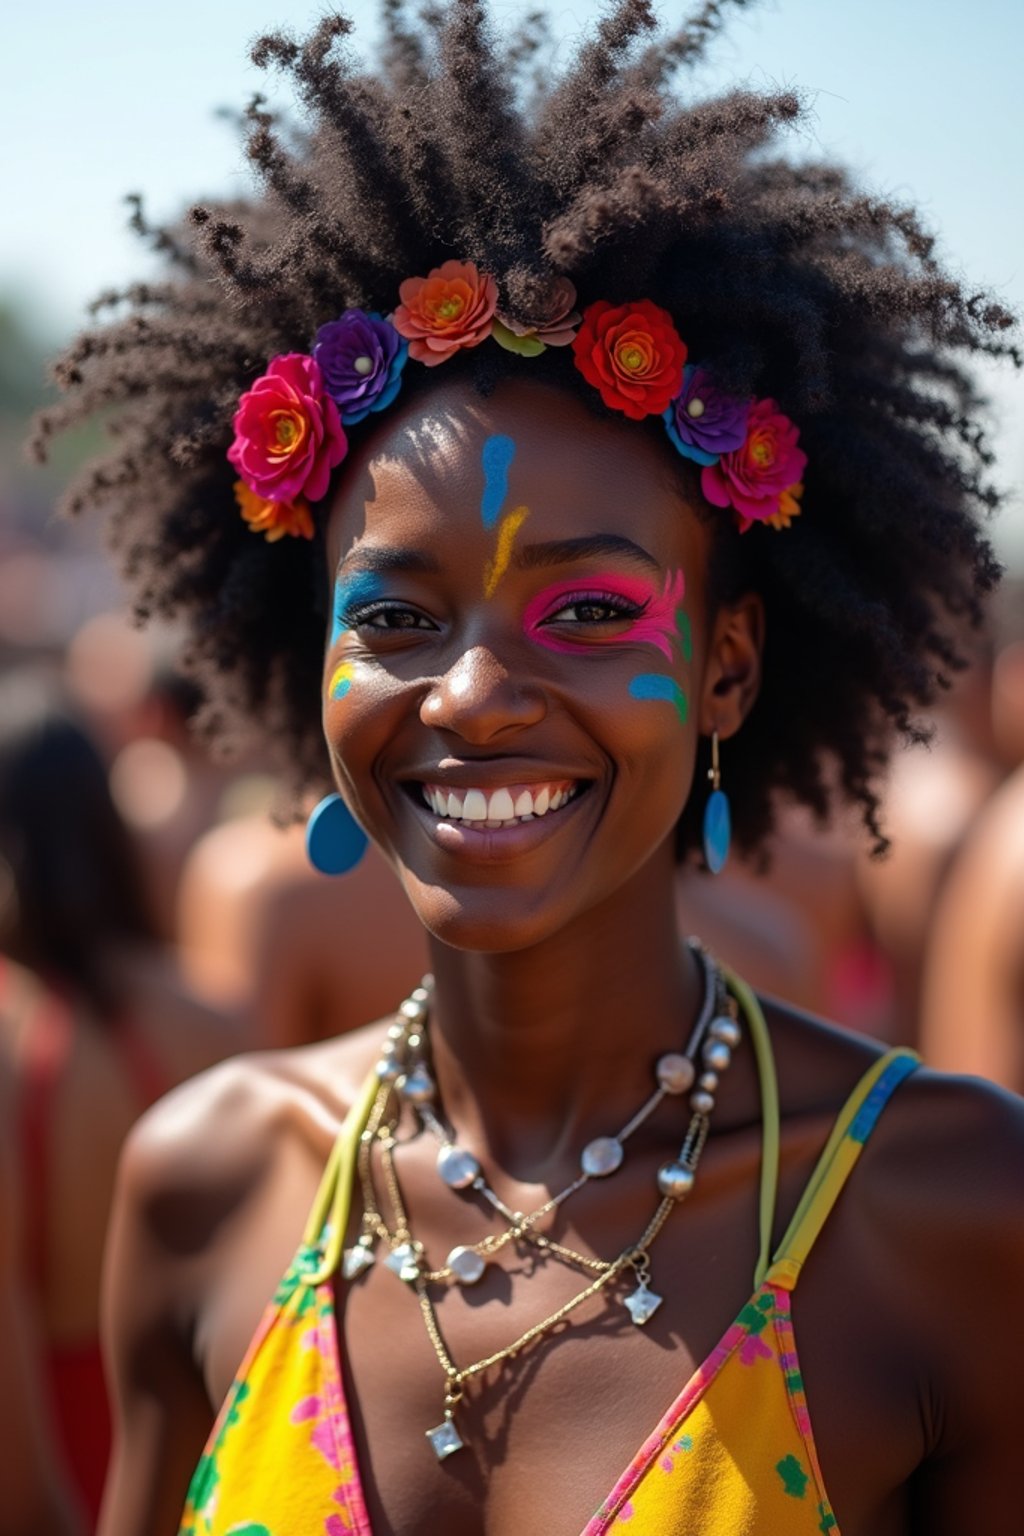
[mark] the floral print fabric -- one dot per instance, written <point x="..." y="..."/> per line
<point x="733" y="1456"/>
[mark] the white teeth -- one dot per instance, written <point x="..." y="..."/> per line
<point x="474" y="807"/>
<point x="500" y="807"/>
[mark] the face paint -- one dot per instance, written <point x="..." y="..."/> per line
<point x="495" y="569"/>
<point x="657" y="625"/>
<point x="341" y="681"/>
<point x="685" y="634"/>
<point x="361" y="587"/>
<point x="497" y="455"/>
<point x="656" y="685"/>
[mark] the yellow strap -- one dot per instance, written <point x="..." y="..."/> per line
<point x="833" y="1168"/>
<point x="335" y="1192"/>
<point x="761" y="1041"/>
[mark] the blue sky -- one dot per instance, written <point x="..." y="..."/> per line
<point x="922" y="97"/>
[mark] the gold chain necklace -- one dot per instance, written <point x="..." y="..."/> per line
<point x="406" y="1256"/>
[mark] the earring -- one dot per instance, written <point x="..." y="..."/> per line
<point x="717" y="819"/>
<point x="335" y="842"/>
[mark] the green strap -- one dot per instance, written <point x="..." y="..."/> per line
<point x="334" y="1197"/>
<point x="761" y="1041"/>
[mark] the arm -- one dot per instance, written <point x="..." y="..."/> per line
<point x="975" y="966"/>
<point x="160" y="1408"/>
<point x="973" y="1300"/>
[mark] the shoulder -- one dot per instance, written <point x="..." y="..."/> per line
<point x="941" y="1200"/>
<point x="195" y="1166"/>
<point x="222" y="1127"/>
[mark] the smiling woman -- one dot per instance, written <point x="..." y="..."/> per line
<point x="557" y="484"/>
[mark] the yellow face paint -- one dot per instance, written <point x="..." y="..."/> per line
<point x="496" y="568"/>
<point x="341" y="681"/>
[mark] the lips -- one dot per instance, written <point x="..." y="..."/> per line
<point x="504" y="806"/>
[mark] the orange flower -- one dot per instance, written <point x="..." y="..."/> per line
<point x="789" y="507"/>
<point x="453" y="307"/>
<point x="274" y="519"/>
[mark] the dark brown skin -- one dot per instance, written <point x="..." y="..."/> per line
<point x="560" y="980"/>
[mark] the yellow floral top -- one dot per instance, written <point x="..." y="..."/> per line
<point x="734" y="1454"/>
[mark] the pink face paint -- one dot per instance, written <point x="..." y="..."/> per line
<point x="657" y="625"/>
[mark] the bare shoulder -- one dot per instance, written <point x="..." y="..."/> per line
<point x="950" y="1151"/>
<point x="941" y="1195"/>
<point x="202" y="1154"/>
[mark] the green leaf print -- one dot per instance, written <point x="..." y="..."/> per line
<point x="755" y="1315"/>
<point x="828" y="1519"/>
<point x="249" y="1529"/>
<point x="794" y="1478"/>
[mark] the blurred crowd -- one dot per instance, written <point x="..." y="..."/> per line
<point x="154" y="918"/>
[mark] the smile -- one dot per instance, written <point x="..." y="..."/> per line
<point x="503" y="807"/>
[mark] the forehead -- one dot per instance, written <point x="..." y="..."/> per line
<point x="448" y="467"/>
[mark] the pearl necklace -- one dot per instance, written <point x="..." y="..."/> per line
<point x="467" y="1263"/>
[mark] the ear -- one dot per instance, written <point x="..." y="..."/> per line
<point x="732" y="676"/>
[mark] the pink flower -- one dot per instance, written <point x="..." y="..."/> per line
<point x="288" y="434"/>
<point x="451" y="308"/>
<point x="755" y="477"/>
<point x="558" y="330"/>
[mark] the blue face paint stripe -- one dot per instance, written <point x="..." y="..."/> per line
<point x="359" y="588"/>
<point x="655" y="685"/>
<point x="496" y="456"/>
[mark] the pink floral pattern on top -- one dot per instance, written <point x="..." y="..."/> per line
<point x="733" y="1456"/>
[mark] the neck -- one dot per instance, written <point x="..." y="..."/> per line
<point x="537" y="1050"/>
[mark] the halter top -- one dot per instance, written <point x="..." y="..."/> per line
<point x="734" y="1454"/>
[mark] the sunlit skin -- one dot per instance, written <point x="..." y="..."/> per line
<point x="560" y="978"/>
<point x="526" y="687"/>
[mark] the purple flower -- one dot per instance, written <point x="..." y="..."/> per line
<point x="361" y="357"/>
<point x="702" y="422"/>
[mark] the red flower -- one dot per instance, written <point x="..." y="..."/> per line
<point x="451" y="308"/>
<point x="760" y="478"/>
<point x="288" y="434"/>
<point x="274" y="519"/>
<point x="633" y="354"/>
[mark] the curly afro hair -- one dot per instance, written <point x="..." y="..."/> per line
<point x="796" y="283"/>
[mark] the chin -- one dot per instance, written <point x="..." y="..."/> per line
<point x="494" y="920"/>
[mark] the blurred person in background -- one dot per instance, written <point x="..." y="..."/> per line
<point x="35" y="1502"/>
<point x="139" y="709"/>
<point x="94" y="1026"/>
<point x="974" y="967"/>
<point x="259" y="933"/>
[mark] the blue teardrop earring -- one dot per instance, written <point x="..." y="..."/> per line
<point x="717" y="819"/>
<point x="335" y="842"/>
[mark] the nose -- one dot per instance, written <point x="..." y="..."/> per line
<point x="478" y="699"/>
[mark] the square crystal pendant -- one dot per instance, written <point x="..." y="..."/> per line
<point x="403" y="1261"/>
<point x="445" y="1439"/>
<point x="643" y="1304"/>
<point x="356" y="1260"/>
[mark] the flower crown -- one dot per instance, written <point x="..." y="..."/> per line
<point x="290" y="426"/>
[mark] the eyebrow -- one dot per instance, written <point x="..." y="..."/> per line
<point x="384" y="558"/>
<point x="567" y="551"/>
<point x="390" y="558"/>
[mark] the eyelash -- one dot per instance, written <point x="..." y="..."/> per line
<point x="622" y="607"/>
<point x="360" y="618"/>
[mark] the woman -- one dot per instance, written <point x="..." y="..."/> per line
<point x="93" y="1029"/>
<point x="502" y="394"/>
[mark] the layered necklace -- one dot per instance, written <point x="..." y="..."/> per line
<point x="405" y="1078"/>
